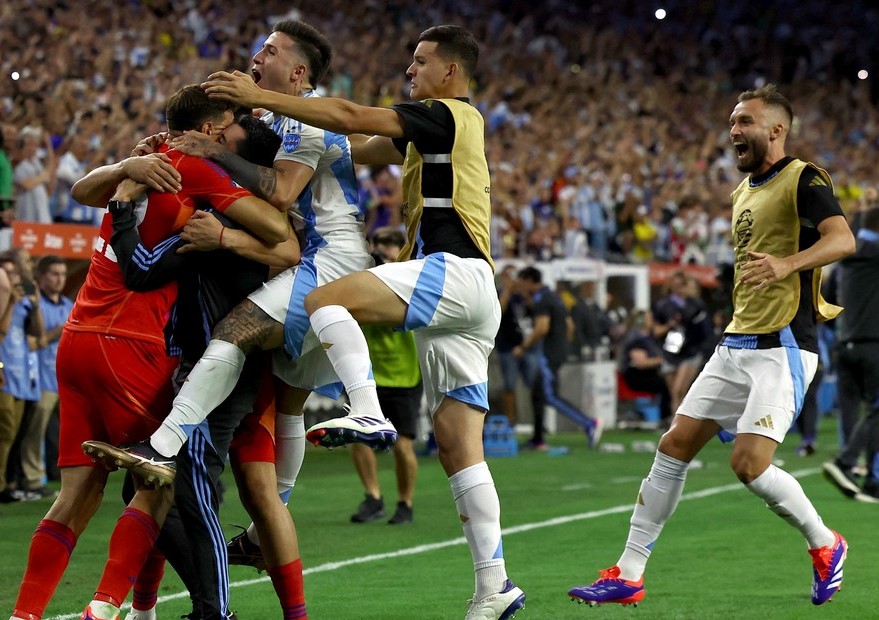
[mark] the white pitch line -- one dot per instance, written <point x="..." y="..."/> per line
<point x="577" y="487"/>
<point x="418" y="549"/>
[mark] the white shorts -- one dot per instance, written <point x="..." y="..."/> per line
<point x="303" y="362"/>
<point x="758" y="391"/>
<point x="454" y="310"/>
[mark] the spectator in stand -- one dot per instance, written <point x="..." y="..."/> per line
<point x="591" y="204"/>
<point x="641" y="360"/>
<point x="7" y="191"/>
<point x="543" y="205"/>
<point x="30" y="393"/>
<point x="628" y="83"/>
<point x="34" y="177"/>
<point x="386" y="202"/>
<point x="7" y="199"/>
<point x="681" y="324"/>
<point x="592" y="325"/>
<point x="74" y="165"/>
<point x="644" y="234"/>
<point x="575" y="241"/>
<point x="689" y="232"/>
<point x="20" y="321"/>
<point x="54" y="308"/>
<point x="720" y="250"/>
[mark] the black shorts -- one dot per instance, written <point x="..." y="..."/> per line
<point x="401" y="406"/>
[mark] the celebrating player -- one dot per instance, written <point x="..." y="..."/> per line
<point x="787" y="224"/>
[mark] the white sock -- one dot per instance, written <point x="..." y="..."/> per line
<point x="657" y="499"/>
<point x="252" y="536"/>
<point x="289" y="451"/>
<point x="289" y="455"/>
<point x="142" y="614"/>
<point x="346" y="347"/>
<point x="785" y="497"/>
<point x="480" y="511"/>
<point x="209" y="383"/>
<point x="103" y="610"/>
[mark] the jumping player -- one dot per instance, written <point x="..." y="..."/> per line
<point x="443" y="288"/>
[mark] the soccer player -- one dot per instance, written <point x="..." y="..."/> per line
<point x="314" y="170"/>
<point x="206" y="293"/>
<point x="787" y="224"/>
<point x="443" y="288"/>
<point x="398" y="381"/>
<point x="114" y="327"/>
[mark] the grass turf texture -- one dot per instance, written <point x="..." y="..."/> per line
<point x="722" y="555"/>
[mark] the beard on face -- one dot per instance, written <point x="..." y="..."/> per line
<point x="754" y="157"/>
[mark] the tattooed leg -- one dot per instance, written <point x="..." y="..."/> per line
<point x="250" y="329"/>
<point x="245" y="330"/>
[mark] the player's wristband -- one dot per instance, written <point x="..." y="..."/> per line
<point x="117" y="206"/>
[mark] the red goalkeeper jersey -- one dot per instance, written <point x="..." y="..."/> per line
<point x="104" y="304"/>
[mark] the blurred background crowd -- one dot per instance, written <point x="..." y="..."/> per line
<point x="606" y="127"/>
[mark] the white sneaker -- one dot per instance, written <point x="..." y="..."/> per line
<point x="377" y="433"/>
<point x="142" y="614"/>
<point x="499" y="606"/>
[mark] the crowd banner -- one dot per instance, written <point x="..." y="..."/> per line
<point x="64" y="240"/>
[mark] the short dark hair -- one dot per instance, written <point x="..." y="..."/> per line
<point x="190" y="107"/>
<point x="260" y="144"/>
<point x="47" y="262"/>
<point x="314" y="46"/>
<point x="532" y="274"/>
<point x="454" y="43"/>
<point x="770" y="96"/>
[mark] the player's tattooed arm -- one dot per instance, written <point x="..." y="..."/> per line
<point x="258" y="179"/>
<point x="280" y="185"/>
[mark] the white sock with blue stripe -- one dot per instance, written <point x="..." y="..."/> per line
<point x="346" y="348"/>
<point x="209" y="383"/>
<point x="480" y="511"/>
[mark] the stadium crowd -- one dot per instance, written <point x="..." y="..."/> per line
<point x="602" y="122"/>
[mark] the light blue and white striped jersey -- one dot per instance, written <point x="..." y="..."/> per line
<point x="328" y="204"/>
<point x="20" y="365"/>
